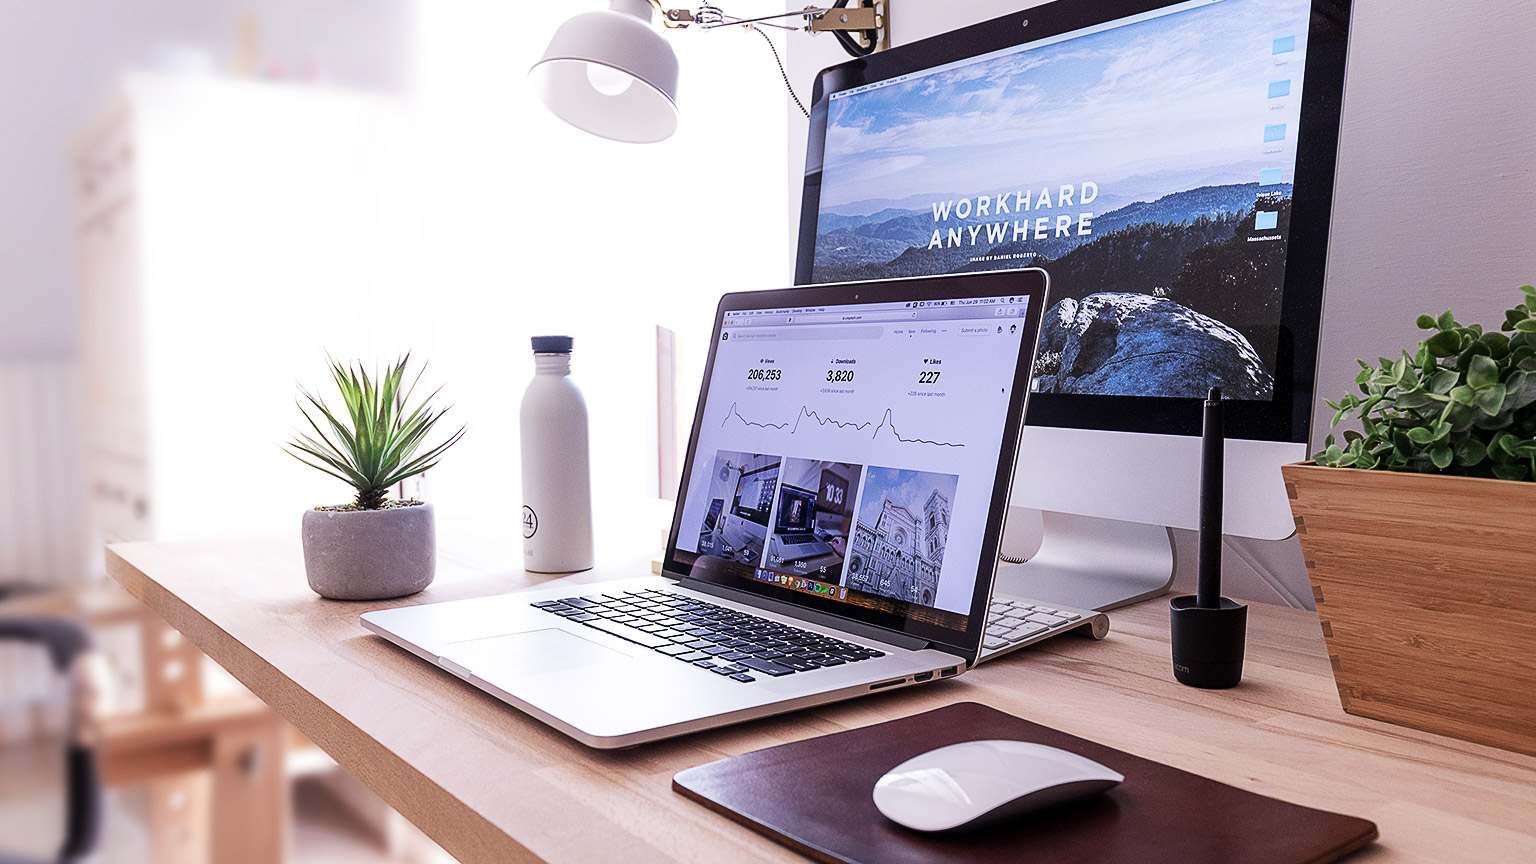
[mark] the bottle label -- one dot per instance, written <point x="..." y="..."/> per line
<point x="530" y="522"/>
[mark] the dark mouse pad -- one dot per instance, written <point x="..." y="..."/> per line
<point x="815" y="797"/>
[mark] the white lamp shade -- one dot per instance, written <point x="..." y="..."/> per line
<point x="610" y="73"/>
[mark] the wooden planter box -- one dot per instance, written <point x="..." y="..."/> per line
<point x="1426" y="589"/>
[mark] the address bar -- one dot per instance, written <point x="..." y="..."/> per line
<point x="841" y="318"/>
<point x="809" y="334"/>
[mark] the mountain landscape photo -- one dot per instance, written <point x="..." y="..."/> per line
<point x="1147" y="168"/>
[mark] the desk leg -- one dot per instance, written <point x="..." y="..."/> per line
<point x="250" y="794"/>
<point x="178" y="818"/>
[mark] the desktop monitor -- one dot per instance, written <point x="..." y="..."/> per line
<point x="1170" y="165"/>
<point x="754" y="493"/>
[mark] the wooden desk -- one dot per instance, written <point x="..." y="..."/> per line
<point x="491" y="785"/>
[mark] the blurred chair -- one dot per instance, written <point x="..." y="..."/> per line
<point x="67" y="643"/>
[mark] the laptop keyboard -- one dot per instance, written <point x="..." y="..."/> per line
<point x="725" y="641"/>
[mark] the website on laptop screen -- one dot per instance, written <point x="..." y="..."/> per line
<point x="850" y="452"/>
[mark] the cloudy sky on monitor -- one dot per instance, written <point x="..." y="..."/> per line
<point x="1173" y="102"/>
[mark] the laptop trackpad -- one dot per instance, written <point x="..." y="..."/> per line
<point x="530" y="652"/>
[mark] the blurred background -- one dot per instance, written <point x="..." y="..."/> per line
<point x="204" y="198"/>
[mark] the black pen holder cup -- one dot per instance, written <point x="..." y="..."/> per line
<point x="1208" y="643"/>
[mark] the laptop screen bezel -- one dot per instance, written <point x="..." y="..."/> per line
<point x="1030" y="282"/>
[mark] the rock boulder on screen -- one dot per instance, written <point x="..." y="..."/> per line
<point x="1115" y="343"/>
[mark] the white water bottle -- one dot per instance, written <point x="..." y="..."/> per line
<point x="557" y="476"/>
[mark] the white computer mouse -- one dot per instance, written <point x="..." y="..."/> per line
<point x="977" y="783"/>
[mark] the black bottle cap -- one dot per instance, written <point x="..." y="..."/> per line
<point x="552" y="344"/>
<point x="1208" y="643"/>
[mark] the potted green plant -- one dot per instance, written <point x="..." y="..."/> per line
<point x="371" y="548"/>
<point x="1416" y="531"/>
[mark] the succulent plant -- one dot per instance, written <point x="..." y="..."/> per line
<point x="377" y="449"/>
<point x="1463" y="403"/>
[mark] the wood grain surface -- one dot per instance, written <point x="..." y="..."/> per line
<point x="492" y="785"/>
<point x="1426" y="589"/>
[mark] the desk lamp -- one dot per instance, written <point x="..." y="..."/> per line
<point x="609" y="73"/>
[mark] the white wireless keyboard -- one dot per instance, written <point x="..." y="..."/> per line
<point x="1013" y="622"/>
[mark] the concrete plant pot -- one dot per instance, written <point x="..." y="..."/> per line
<point x="370" y="554"/>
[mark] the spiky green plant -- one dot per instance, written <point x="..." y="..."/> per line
<point x="377" y="449"/>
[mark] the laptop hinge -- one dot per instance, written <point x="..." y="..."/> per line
<point x="868" y="631"/>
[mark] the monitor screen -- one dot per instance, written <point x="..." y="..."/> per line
<point x="1150" y="156"/>
<point x="754" y="493"/>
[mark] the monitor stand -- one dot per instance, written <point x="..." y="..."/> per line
<point x="1093" y="563"/>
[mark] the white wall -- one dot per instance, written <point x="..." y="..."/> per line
<point x="57" y="61"/>
<point x="1435" y="194"/>
<point x="537" y="227"/>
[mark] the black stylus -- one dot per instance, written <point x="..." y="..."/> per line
<point x="1212" y="441"/>
<point x="1208" y="630"/>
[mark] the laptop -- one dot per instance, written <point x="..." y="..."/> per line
<point x="887" y="416"/>
<point x="794" y="541"/>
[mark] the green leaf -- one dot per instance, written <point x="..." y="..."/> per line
<point x="1470" y="451"/>
<point x="1462" y="394"/>
<point x="1526" y="326"/>
<point x="1521" y="388"/>
<point x="1460" y="417"/>
<point x="1444" y="344"/>
<point x="1420" y="435"/>
<point x="1469" y="350"/>
<point x="1446" y="320"/>
<point x="1490" y="399"/>
<point x="1498" y="345"/>
<point x="1506" y="442"/>
<point x="1415" y="398"/>
<point x="1481" y="370"/>
<point x="1510" y="472"/>
<point x="1493" y="422"/>
<point x="1441" y="456"/>
<point x="1426" y="322"/>
<point x="1441" y="382"/>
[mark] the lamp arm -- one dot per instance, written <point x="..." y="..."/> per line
<point x="809" y="13"/>
<point x="711" y="17"/>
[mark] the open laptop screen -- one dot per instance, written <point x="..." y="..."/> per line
<point x="861" y="436"/>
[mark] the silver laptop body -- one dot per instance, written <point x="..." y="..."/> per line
<point x="901" y="401"/>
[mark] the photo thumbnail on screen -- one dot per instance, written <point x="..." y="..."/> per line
<point x="813" y="518"/>
<point x="741" y="491"/>
<point x="900" y="534"/>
